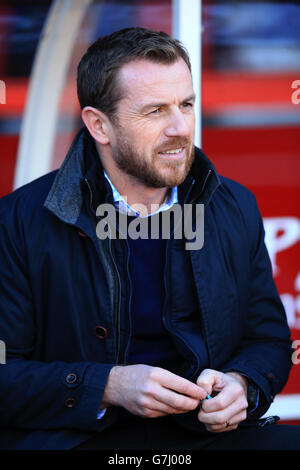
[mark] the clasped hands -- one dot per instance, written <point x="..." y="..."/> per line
<point x="151" y="392"/>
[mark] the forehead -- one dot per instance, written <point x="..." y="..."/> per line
<point x="143" y="80"/>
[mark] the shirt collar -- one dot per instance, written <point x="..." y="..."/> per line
<point x="122" y="206"/>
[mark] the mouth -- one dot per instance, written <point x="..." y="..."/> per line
<point x="173" y="154"/>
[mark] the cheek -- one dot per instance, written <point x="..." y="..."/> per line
<point x="146" y="138"/>
<point x="191" y="123"/>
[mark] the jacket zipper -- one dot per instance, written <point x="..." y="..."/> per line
<point x="164" y="315"/>
<point x="202" y="189"/>
<point x="167" y="278"/>
<point x="117" y="302"/>
<point x="167" y="290"/>
<point x="116" y="281"/>
<point x="129" y="304"/>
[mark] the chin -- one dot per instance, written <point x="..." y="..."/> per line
<point x="171" y="182"/>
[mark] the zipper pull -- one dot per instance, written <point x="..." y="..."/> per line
<point x="269" y="420"/>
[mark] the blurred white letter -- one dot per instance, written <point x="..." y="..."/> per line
<point x="2" y="92"/>
<point x="289" y="226"/>
<point x="296" y="93"/>
<point x="2" y="352"/>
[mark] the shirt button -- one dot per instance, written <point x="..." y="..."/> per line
<point x="71" y="378"/>
<point x="100" y="332"/>
<point x="70" y="402"/>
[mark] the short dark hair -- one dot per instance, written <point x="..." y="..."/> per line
<point x="98" y="69"/>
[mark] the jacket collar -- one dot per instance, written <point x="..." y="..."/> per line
<point x="201" y="182"/>
<point x="82" y="171"/>
<point x="79" y="172"/>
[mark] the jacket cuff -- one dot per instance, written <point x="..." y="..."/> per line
<point x="83" y="396"/>
<point x="258" y="396"/>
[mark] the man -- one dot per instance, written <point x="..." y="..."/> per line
<point x="105" y="333"/>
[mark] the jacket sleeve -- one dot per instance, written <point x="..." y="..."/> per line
<point x="265" y="353"/>
<point x="34" y="394"/>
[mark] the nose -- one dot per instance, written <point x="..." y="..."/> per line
<point x="177" y="125"/>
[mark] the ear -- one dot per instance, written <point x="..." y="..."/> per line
<point x="97" y="124"/>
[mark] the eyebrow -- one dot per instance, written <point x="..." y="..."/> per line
<point x="160" y="104"/>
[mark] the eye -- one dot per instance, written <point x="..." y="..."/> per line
<point x="187" y="105"/>
<point x="156" y="111"/>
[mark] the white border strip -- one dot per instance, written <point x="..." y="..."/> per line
<point x="47" y="79"/>
<point x="187" y="27"/>
<point x="287" y="407"/>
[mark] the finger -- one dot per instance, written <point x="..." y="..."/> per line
<point x="150" y="407"/>
<point x="229" y="424"/>
<point x="154" y="392"/>
<point x="218" y="429"/>
<point x="233" y="413"/>
<point x="210" y="380"/>
<point x="178" y="384"/>
<point x="156" y="413"/>
<point x="231" y="393"/>
<point x="175" y="401"/>
<point x="221" y="401"/>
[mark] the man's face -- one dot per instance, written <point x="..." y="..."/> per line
<point x="152" y="139"/>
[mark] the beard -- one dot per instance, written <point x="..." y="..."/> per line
<point x="154" y="172"/>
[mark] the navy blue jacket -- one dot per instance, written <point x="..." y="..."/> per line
<point x="63" y="292"/>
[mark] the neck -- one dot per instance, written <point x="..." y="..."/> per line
<point x="146" y="200"/>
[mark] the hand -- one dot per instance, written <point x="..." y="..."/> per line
<point x="150" y="391"/>
<point x="228" y="408"/>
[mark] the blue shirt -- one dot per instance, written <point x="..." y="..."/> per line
<point x="121" y="204"/>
